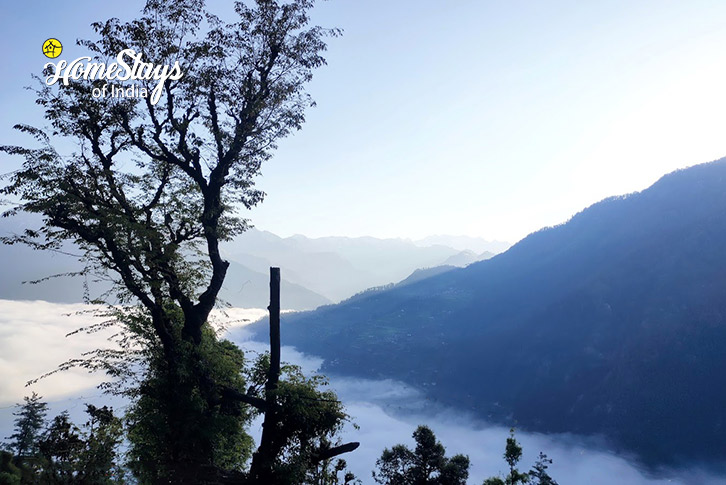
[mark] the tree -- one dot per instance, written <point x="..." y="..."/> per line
<point x="512" y="455"/>
<point x="100" y="457"/>
<point x="539" y="471"/>
<point x="426" y="465"/>
<point x="62" y="452"/>
<point x="60" y="449"/>
<point x="28" y="426"/>
<point x="455" y="470"/>
<point x="395" y="466"/>
<point x="10" y="474"/>
<point x="331" y="472"/>
<point x="68" y="454"/>
<point x="154" y="186"/>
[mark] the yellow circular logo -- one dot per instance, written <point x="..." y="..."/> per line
<point x="52" y="48"/>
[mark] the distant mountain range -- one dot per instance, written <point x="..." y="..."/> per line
<point x="315" y="271"/>
<point x="464" y="243"/>
<point x="611" y="324"/>
<point x="339" y="267"/>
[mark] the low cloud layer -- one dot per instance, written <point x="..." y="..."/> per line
<point x="387" y="412"/>
<point x="32" y="342"/>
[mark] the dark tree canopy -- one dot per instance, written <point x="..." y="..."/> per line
<point x="538" y="475"/>
<point x="149" y="185"/>
<point x="153" y="186"/>
<point x="427" y="464"/>
<point x="59" y="452"/>
<point x="29" y="422"/>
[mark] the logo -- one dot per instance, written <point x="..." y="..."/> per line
<point x="129" y="66"/>
<point x="52" y="48"/>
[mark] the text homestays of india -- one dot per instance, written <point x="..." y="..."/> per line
<point x="128" y="66"/>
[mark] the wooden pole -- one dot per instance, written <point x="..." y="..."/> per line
<point x="274" y="308"/>
<point x="264" y="458"/>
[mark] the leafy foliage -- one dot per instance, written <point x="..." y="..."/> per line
<point x="62" y="453"/>
<point x="28" y="425"/>
<point x="150" y="183"/>
<point x="332" y="472"/>
<point x="512" y="455"/>
<point x="427" y="464"/>
<point x="313" y="416"/>
<point x="60" y="450"/>
<point x="213" y="432"/>
<point x="10" y="474"/>
<point x="539" y="473"/>
<point x="147" y="196"/>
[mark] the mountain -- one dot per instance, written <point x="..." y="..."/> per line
<point x="22" y="265"/>
<point x="466" y="257"/>
<point x="464" y="243"/>
<point x="338" y="267"/>
<point x="324" y="272"/>
<point x="424" y="273"/>
<point x="612" y="324"/>
<point x="246" y="288"/>
<point x="243" y="287"/>
<point x="316" y="271"/>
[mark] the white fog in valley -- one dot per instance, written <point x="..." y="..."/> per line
<point x="386" y="412"/>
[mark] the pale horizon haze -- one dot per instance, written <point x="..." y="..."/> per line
<point x="486" y="119"/>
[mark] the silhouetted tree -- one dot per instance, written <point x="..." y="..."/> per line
<point x="331" y="472"/>
<point x="154" y="186"/>
<point x="89" y="455"/>
<point x="100" y="459"/>
<point x="60" y="450"/>
<point x="512" y="455"/>
<point x="426" y="465"/>
<point x="539" y="471"/>
<point x="395" y="466"/>
<point x="29" y="423"/>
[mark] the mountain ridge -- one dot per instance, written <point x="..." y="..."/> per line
<point x="579" y="328"/>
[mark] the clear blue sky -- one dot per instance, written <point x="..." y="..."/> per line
<point x="482" y="118"/>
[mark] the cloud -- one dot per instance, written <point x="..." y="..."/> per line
<point x="32" y="342"/>
<point x="387" y="412"/>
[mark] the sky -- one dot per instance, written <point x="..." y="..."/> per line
<point x="479" y="118"/>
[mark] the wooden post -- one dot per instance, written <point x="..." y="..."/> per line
<point x="274" y="308"/>
<point x="261" y="469"/>
<point x="264" y="458"/>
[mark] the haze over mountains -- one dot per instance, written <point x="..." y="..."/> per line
<point x="611" y="324"/>
<point x="339" y="267"/>
<point x="316" y="271"/>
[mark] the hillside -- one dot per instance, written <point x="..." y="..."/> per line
<point x="612" y="324"/>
